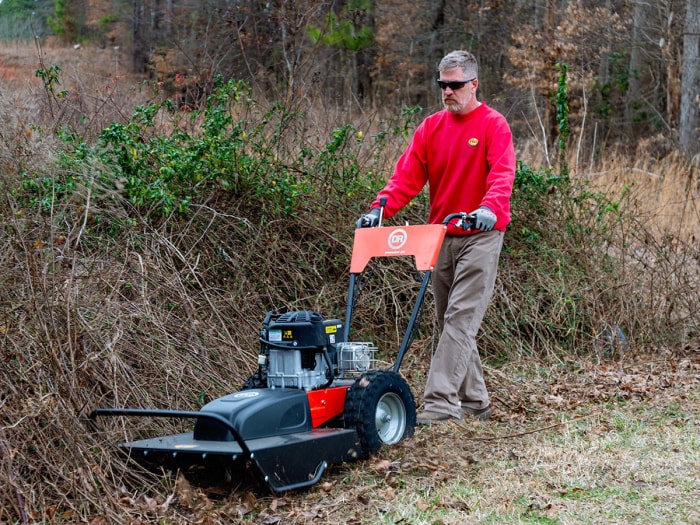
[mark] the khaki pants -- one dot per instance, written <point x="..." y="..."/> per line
<point x="463" y="282"/>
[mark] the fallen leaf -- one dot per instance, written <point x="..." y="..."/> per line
<point x="387" y="494"/>
<point x="381" y="466"/>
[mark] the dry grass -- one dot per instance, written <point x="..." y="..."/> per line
<point x="168" y="316"/>
<point x="666" y="192"/>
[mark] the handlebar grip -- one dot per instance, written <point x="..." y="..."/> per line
<point x="467" y="221"/>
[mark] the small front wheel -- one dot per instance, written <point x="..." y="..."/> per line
<point x="380" y="406"/>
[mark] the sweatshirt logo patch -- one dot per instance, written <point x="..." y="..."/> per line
<point x="473" y="141"/>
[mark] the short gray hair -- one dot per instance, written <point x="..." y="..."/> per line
<point x="463" y="60"/>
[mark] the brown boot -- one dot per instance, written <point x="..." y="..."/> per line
<point x="477" y="413"/>
<point x="428" y="417"/>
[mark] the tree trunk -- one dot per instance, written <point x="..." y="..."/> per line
<point x="637" y="62"/>
<point x="138" y="53"/>
<point x="689" y="138"/>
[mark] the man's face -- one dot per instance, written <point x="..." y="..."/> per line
<point x="459" y="99"/>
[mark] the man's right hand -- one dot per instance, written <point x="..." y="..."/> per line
<point x="484" y="219"/>
<point x="369" y="220"/>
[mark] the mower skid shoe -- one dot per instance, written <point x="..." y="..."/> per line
<point x="299" y="460"/>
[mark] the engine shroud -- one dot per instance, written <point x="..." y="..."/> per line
<point x="300" y="349"/>
<point x="304" y="350"/>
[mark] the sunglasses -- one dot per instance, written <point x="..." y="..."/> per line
<point x="454" y="86"/>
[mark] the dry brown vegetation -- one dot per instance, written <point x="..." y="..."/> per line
<point x="587" y="429"/>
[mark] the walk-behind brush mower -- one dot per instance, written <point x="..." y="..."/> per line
<point x="315" y="399"/>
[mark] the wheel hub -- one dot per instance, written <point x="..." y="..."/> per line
<point x="390" y="418"/>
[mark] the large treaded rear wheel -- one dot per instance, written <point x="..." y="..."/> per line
<point x="381" y="407"/>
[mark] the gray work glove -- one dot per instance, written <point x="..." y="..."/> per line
<point x="369" y="220"/>
<point x="485" y="219"/>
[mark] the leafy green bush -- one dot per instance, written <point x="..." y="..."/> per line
<point x="570" y="250"/>
<point x="231" y="149"/>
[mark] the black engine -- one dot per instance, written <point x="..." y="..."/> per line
<point x="304" y="350"/>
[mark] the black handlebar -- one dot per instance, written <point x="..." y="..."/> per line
<point x="466" y="221"/>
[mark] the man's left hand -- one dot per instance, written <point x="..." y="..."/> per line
<point x="485" y="219"/>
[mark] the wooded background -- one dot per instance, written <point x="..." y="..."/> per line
<point x="633" y="68"/>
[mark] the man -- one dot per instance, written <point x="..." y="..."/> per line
<point x="465" y="154"/>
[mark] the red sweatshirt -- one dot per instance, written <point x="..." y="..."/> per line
<point x="467" y="160"/>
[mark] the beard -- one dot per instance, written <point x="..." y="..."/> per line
<point x="453" y="106"/>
